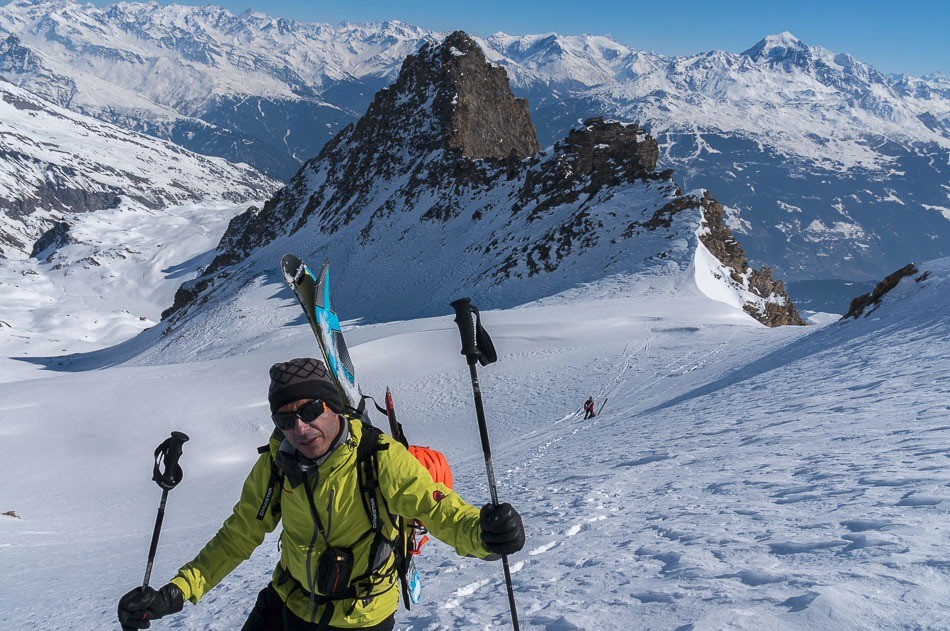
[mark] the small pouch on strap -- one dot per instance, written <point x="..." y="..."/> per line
<point x="334" y="571"/>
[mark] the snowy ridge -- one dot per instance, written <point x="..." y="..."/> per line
<point x="774" y="86"/>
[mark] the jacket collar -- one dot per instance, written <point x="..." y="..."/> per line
<point x="297" y="468"/>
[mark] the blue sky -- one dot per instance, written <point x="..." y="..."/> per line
<point x="907" y="36"/>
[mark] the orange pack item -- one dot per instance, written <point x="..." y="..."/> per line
<point x="435" y="462"/>
<point x="440" y="471"/>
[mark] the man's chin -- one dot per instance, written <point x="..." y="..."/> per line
<point x="313" y="449"/>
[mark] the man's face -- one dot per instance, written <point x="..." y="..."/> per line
<point x="312" y="439"/>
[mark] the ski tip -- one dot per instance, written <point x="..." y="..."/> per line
<point x="292" y="268"/>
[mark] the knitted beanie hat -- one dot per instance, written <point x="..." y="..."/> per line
<point x="302" y="378"/>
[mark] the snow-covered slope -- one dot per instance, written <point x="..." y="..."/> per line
<point x="109" y="280"/>
<point x="55" y="163"/>
<point x="738" y="477"/>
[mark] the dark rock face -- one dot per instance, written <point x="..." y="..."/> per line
<point x="597" y="142"/>
<point x="53" y="239"/>
<point x="862" y="302"/>
<point x="595" y="156"/>
<point x="719" y="240"/>
<point x="483" y="119"/>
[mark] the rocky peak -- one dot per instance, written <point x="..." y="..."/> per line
<point x="447" y="109"/>
<point x="448" y="96"/>
<point x="484" y="119"/>
<point x="779" y="48"/>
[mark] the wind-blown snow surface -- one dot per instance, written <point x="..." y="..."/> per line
<point x="739" y="477"/>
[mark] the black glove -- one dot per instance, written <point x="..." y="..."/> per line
<point x="502" y="530"/>
<point x="143" y="604"/>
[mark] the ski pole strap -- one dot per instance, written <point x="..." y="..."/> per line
<point x="476" y="343"/>
<point x="167" y="455"/>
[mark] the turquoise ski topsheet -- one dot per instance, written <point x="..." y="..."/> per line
<point x="313" y="294"/>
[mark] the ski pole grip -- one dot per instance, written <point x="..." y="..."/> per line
<point x="168" y="453"/>
<point x="466" y="325"/>
<point x="174" y="450"/>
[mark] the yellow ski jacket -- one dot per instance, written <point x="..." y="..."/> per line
<point x="407" y="490"/>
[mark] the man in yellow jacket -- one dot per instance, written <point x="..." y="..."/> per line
<point x="336" y="570"/>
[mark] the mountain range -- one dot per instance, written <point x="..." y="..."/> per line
<point x="827" y="168"/>
<point x="440" y="189"/>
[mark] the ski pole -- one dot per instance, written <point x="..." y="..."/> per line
<point x="477" y="347"/>
<point x="166" y="454"/>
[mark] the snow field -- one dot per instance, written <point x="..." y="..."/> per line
<point x="738" y="478"/>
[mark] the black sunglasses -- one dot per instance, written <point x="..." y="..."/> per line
<point x="307" y="413"/>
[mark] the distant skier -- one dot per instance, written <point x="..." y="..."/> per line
<point x="589" y="408"/>
<point x="336" y="571"/>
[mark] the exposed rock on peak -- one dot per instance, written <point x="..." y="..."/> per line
<point x="484" y="118"/>
<point x="597" y="143"/>
<point x="769" y="302"/>
<point x="465" y="102"/>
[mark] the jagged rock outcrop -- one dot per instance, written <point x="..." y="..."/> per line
<point x="411" y="203"/>
<point x="597" y="155"/>
<point x="775" y="307"/>
<point x="862" y="302"/>
<point x="597" y="142"/>
<point x="484" y="118"/>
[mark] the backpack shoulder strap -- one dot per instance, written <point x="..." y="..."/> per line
<point x="367" y="473"/>
<point x="272" y="494"/>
